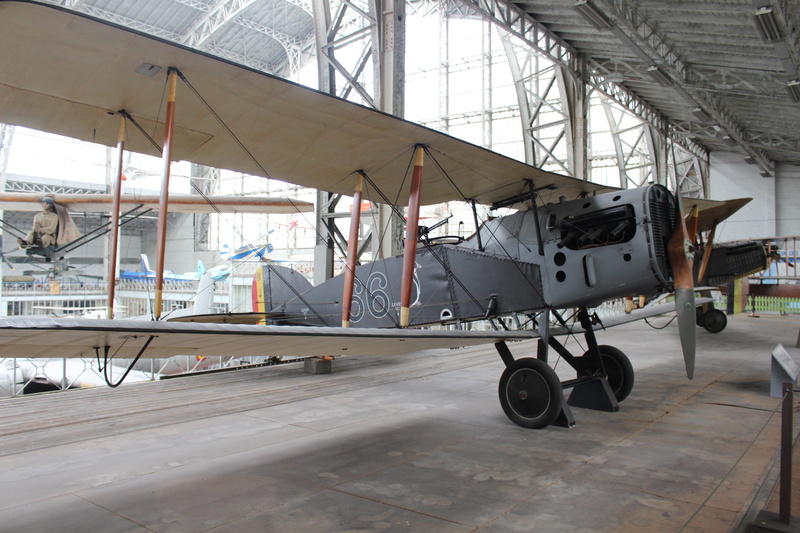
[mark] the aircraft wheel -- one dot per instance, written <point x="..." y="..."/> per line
<point x="530" y="393"/>
<point x="619" y="371"/>
<point x="701" y="317"/>
<point x="715" y="321"/>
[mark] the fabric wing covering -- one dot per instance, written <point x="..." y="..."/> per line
<point x="42" y="338"/>
<point x="69" y="74"/>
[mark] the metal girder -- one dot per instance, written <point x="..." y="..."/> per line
<point x="644" y="40"/>
<point x="214" y="17"/>
<point x="599" y="77"/>
<point x="689" y="172"/>
<point x="295" y="49"/>
<point x="6" y="136"/>
<point x="520" y="24"/>
<point x="543" y="100"/>
<point x="787" y="48"/>
<point x="227" y="12"/>
<point x="635" y="159"/>
<point x="373" y="31"/>
<point x="204" y="180"/>
<point x="346" y="26"/>
<point x="42" y="188"/>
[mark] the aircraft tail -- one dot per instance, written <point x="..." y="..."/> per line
<point x="275" y="285"/>
<point x="204" y="299"/>
<point x="146" y="264"/>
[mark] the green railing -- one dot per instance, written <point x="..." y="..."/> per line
<point x="773" y="304"/>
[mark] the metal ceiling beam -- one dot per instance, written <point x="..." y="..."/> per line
<point x="633" y="30"/>
<point x="523" y="26"/>
<point x="213" y="18"/>
<point x="776" y="17"/>
<point x="294" y="47"/>
<point x="227" y="11"/>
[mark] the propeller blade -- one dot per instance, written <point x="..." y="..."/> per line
<point x="681" y="255"/>
<point x="687" y="327"/>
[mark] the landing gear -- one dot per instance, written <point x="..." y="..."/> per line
<point x="532" y="396"/>
<point x="714" y="321"/>
<point x="618" y="371"/>
<point x="530" y="393"/>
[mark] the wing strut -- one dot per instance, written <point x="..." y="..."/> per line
<point x="536" y="217"/>
<point x="477" y="224"/>
<point x="163" y="204"/>
<point x="706" y="254"/>
<point x="114" y="237"/>
<point x="107" y="362"/>
<point x="412" y="232"/>
<point x="352" y="252"/>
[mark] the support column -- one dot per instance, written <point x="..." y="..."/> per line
<point x="412" y="231"/>
<point x="578" y="108"/>
<point x="163" y="203"/>
<point x="323" y="249"/>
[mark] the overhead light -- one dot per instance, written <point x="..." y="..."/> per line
<point x="701" y="115"/>
<point x="767" y="25"/>
<point x="659" y="76"/>
<point x="765" y="174"/>
<point x="729" y="140"/>
<point x="749" y="160"/>
<point x="793" y="87"/>
<point x="593" y="16"/>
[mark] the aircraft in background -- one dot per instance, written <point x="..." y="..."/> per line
<point x="134" y="206"/>
<point x="217" y="273"/>
<point x="571" y="244"/>
<point x="246" y="252"/>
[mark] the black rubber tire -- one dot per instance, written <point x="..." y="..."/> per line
<point x="619" y="371"/>
<point x="701" y="316"/>
<point x="715" y="321"/>
<point x="530" y="393"/>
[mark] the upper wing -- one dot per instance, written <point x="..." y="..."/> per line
<point x="188" y="203"/>
<point x="712" y="212"/>
<point x="46" y="337"/>
<point x="66" y="73"/>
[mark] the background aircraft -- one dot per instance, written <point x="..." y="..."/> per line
<point x="572" y="244"/>
<point x="133" y="206"/>
<point x="217" y="273"/>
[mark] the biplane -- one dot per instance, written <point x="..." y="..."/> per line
<point x="133" y="206"/>
<point x="570" y="244"/>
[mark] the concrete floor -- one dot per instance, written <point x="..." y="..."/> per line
<point x="412" y="443"/>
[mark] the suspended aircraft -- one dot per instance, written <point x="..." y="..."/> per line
<point x="572" y="243"/>
<point x="134" y="206"/>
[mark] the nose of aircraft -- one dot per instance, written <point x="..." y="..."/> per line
<point x="681" y="255"/>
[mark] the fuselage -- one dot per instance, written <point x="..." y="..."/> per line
<point x="592" y="249"/>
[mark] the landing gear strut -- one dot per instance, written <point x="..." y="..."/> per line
<point x="531" y="393"/>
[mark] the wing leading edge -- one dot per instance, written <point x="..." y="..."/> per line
<point x="102" y="203"/>
<point x="45" y="338"/>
